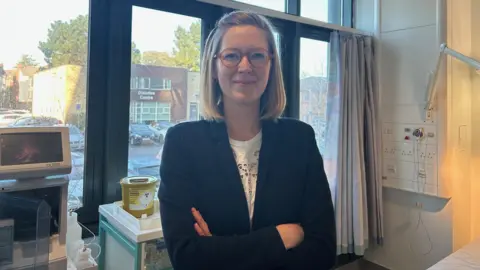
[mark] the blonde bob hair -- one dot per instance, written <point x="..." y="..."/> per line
<point x="273" y="100"/>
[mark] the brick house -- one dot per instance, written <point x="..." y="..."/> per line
<point x="158" y="93"/>
<point x="16" y="89"/>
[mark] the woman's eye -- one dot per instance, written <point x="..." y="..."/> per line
<point x="231" y="57"/>
<point x="258" y="56"/>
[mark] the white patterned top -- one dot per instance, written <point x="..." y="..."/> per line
<point x="246" y="155"/>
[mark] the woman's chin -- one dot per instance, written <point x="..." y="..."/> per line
<point x="245" y="98"/>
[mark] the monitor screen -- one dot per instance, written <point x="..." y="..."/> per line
<point x="30" y="148"/>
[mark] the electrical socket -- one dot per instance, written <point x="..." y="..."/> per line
<point x="426" y="154"/>
<point x="428" y="115"/>
<point x="404" y="151"/>
<point x="389" y="150"/>
<point x="391" y="169"/>
<point x="422" y="173"/>
<point x="419" y="205"/>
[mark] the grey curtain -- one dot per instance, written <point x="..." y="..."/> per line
<point x="353" y="146"/>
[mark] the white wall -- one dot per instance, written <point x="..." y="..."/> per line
<point x="408" y="39"/>
<point x="463" y="113"/>
<point x="476" y="115"/>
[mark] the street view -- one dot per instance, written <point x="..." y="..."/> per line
<point x="43" y="79"/>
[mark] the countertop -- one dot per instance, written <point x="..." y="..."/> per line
<point x="134" y="234"/>
<point x="466" y="258"/>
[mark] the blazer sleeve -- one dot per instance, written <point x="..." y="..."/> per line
<point x="318" y="250"/>
<point x="260" y="249"/>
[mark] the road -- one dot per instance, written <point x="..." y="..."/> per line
<point x="143" y="151"/>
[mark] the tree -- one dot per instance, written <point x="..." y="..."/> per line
<point x="186" y="53"/>
<point x="136" y="54"/>
<point x="66" y="42"/>
<point x="155" y="58"/>
<point x="27" y="60"/>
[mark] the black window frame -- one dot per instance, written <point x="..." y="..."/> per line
<point x="109" y="80"/>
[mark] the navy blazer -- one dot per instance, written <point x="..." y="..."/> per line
<point x="198" y="169"/>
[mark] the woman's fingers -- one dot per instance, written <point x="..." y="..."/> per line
<point x="201" y="222"/>
<point x="198" y="230"/>
<point x="199" y="219"/>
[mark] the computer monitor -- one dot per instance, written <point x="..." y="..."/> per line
<point x="32" y="152"/>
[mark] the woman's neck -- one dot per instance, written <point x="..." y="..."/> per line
<point x="243" y="122"/>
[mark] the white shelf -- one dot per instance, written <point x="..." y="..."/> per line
<point x="131" y="230"/>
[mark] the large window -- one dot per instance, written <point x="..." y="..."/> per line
<point x="331" y="11"/>
<point x="158" y="83"/>
<point x="322" y="10"/>
<point x="277" y="42"/>
<point x="278" y="5"/>
<point x="313" y="86"/>
<point x="172" y="64"/>
<point x="43" y="72"/>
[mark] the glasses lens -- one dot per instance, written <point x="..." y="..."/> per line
<point x="231" y="58"/>
<point x="258" y="59"/>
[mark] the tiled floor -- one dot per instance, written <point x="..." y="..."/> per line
<point x="361" y="264"/>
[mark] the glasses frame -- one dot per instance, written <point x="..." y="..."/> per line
<point x="219" y="55"/>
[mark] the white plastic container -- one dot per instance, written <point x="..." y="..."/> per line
<point x="143" y="223"/>
<point x="74" y="234"/>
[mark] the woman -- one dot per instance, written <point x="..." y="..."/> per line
<point x="244" y="189"/>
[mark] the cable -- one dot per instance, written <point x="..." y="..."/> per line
<point x="417" y="172"/>
<point x="92" y="242"/>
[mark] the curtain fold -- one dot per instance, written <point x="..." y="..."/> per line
<point x="352" y="154"/>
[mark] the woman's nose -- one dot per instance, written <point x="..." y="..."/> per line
<point x="244" y="64"/>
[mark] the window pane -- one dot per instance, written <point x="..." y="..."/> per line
<point x="170" y="67"/>
<point x="277" y="42"/>
<point x="322" y="10"/>
<point x="43" y="69"/>
<point x="313" y="86"/>
<point x="278" y="5"/>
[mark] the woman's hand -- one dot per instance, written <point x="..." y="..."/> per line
<point x="291" y="234"/>
<point x="201" y="227"/>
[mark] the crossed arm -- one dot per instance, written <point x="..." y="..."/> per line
<point x="191" y="245"/>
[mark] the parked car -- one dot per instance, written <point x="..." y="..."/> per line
<point x="164" y="124"/>
<point x="140" y="134"/>
<point x="7" y="119"/>
<point x="159" y="132"/>
<point x="20" y="111"/>
<point x="36" y="121"/>
<point x="144" y="166"/>
<point x="77" y="139"/>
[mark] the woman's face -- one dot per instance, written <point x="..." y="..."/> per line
<point x="243" y="65"/>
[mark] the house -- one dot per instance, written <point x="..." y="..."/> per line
<point x="16" y="87"/>
<point x="25" y="76"/>
<point x="60" y="92"/>
<point x="10" y="90"/>
<point x="158" y="93"/>
<point x="3" y="85"/>
<point x="193" y="97"/>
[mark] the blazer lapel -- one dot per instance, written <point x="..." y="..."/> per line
<point x="227" y="166"/>
<point x="227" y="169"/>
<point x="266" y="154"/>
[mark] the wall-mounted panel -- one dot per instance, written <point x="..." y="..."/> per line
<point x="407" y="14"/>
<point x="406" y="65"/>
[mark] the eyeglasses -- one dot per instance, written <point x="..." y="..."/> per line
<point x="232" y="57"/>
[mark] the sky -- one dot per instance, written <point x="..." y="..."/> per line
<point x="26" y="22"/>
